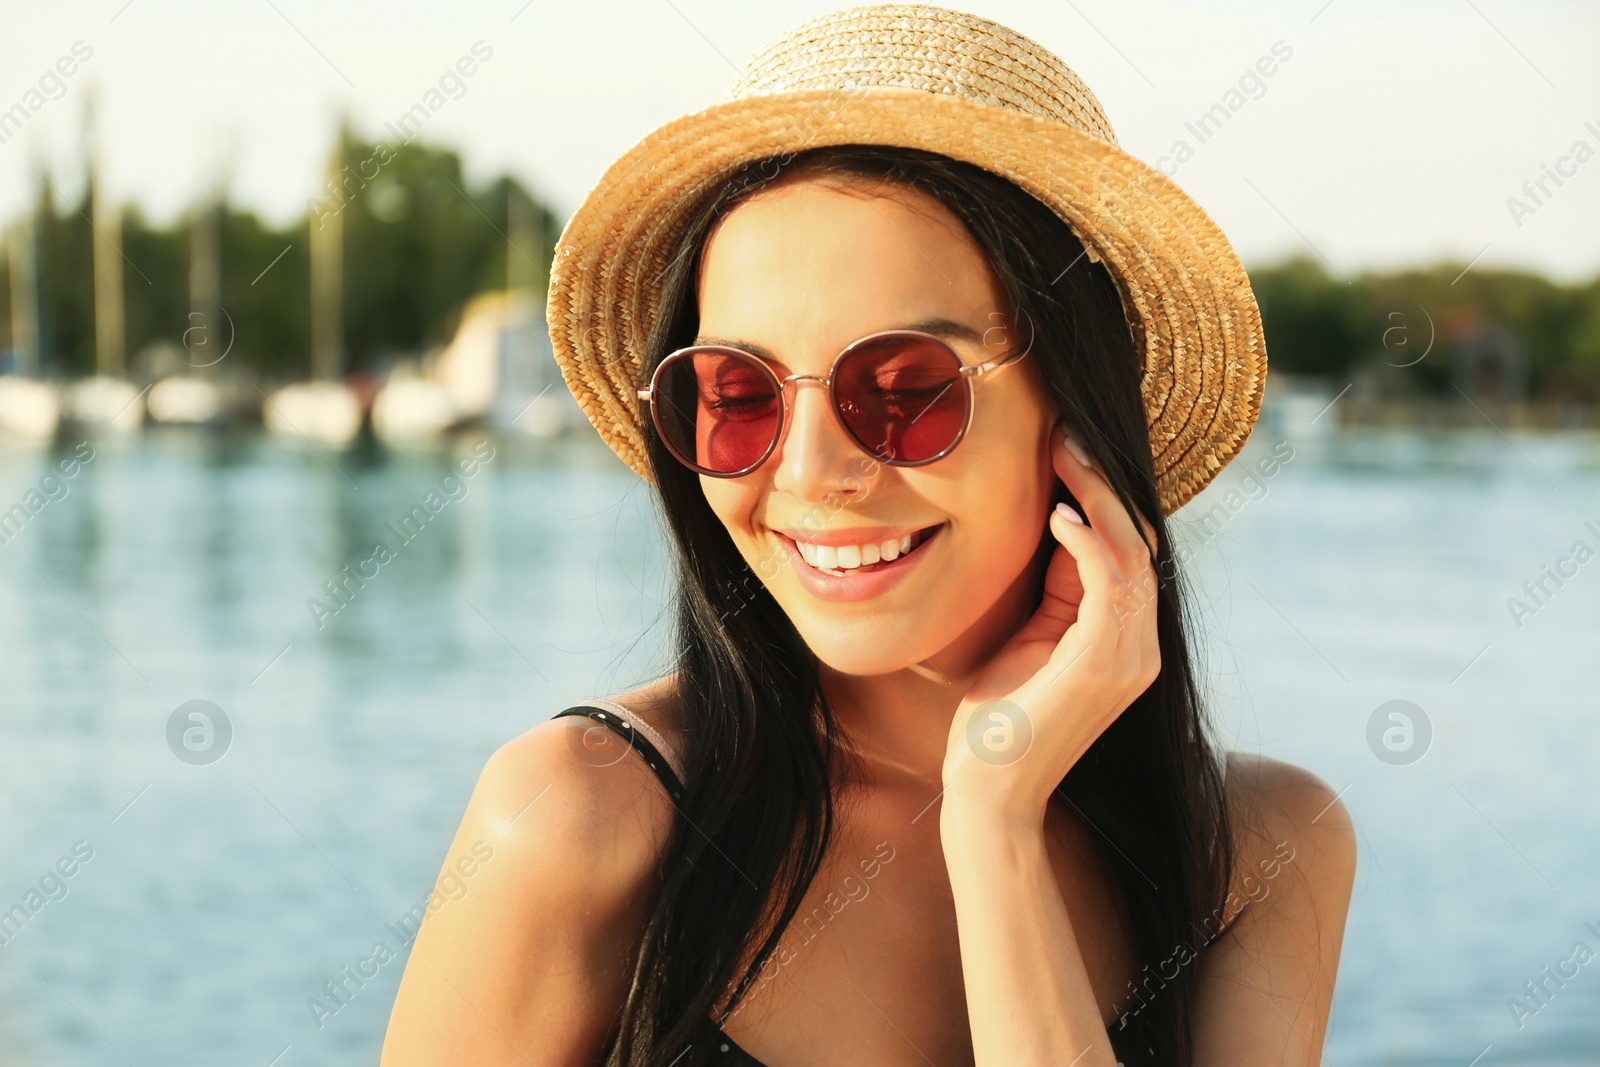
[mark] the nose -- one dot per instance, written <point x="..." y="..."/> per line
<point x="814" y="454"/>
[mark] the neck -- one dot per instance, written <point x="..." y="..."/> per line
<point x="898" y="723"/>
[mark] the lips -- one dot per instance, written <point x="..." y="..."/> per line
<point x="859" y="583"/>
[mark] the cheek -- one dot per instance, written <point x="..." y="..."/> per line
<point x="1000" y="493"/>
<point x="1003" y="472"/>
<point x="996" y="524"/>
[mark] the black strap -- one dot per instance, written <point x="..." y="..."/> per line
<point x="624" y="729"/>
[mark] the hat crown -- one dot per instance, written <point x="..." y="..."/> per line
<point x="929" y="49"/>
<point x="995" y="100"/>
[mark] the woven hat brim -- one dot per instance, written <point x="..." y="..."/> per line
<point x="1185" y="293"/>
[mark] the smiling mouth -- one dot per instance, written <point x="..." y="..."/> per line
<point x="911" y="542"/>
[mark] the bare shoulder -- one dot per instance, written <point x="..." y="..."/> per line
<point x="591" y="797"/>
<point x="566" y="789"/>
<point x="536" y="951"/>
<point x="1266" y="982"/>
<point x="1272" y="801"/>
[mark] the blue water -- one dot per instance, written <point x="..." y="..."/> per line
<point x="219" y="897"/>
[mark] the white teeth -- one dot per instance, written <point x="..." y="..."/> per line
<point x="840" y="558"/>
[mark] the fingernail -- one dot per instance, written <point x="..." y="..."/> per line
<point x="1065" y="511"/>
<point x="1078" y="451"/>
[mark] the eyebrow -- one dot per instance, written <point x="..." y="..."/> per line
<point x="938" y="327"/>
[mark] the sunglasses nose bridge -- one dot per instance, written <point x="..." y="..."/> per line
<point x="788" y="402"/>
<point x="822" y="431"/>
<point x="793" y="398"/>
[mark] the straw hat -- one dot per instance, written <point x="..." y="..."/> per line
<point x="948" y="82"/>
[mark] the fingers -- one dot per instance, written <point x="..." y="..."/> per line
<point x="1114" y="633"/>
<point x="1131" y="554"/>
<point x="1104" y="511"/>
<point x="1107" y="595"/>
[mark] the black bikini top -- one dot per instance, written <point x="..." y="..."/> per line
<point x="635" y="735"/>
<point x="729" y="1052"/>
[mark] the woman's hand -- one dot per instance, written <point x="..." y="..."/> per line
<point x="1083" y="657"/>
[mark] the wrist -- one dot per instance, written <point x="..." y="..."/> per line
<point x="973" y="805"/>
<point x="1010" y="791"/>
<point x="981" y="842"/>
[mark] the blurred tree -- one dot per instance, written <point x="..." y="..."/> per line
<point x="155" y="310"/>
<point x="66" y="285"/>
<point x="1316" y="324"/>
<point x="419" y="242"/>
<point x="266" y="286"/>
<point x="1586" y="345"/>
<point x="1313" y="322"/>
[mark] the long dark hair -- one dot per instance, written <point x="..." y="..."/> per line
<point x="761" y="757"/>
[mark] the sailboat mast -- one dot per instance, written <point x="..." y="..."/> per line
<point x="327" y="287"/>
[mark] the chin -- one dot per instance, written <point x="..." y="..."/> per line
<point x="864" y="641"/>
<point x="874" y="650"/>
<point x="883" y="636"/>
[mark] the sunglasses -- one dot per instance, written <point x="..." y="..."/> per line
<point x="903" y="396"/>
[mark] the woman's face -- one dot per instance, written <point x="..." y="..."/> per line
<point x="799" y="271"/>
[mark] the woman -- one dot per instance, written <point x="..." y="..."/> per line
<point x="929" y="781"/>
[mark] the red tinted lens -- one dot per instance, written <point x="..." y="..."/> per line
<point x="717" y="411"/>
<point x="902" y="397"/>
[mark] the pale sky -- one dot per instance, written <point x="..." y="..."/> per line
<point x="1393" y="134"/>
